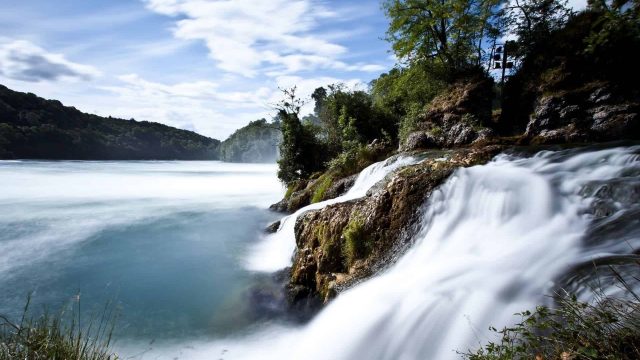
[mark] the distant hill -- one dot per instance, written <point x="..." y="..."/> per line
<point x="34" y="128"/>
<point x="255" y="143"/>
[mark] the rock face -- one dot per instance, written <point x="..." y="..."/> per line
<point x="343" y="243"/>
<point x="593" y="113"/>
<point x="340" y="187"/>
<point x="458" y="117"/>
<point x="298" y="196"/>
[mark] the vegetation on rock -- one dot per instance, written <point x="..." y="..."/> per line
<point x="346" y="242"/>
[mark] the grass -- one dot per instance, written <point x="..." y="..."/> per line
<point x="605" y="328"/>
<point x="58" y="337"/>
<point x="290" y="189"/>
<point x="355" y="244"/>
<point x="323" y="184"/>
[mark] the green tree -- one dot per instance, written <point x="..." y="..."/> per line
<point x="533" y="21"/>
<point x="301" y="153"/>
<point x="357" y="111"/>
<point x="446" y="33"/>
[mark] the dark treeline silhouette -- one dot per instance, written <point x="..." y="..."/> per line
<point x="34" y="128"/>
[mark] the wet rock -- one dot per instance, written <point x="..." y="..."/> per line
<point x="280" y="206"/>
<point x="273" y="227"/>
<point x="340" y="187"/>
<point x="421" y="140"/>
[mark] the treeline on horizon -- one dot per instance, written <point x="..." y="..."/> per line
<point x="34" y="128"/>
<point x="441" y="43"/>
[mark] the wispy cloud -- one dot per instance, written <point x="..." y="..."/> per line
<point x="22" y="60"/>
<point x="245" y="36"/>
<point x="201" y="106"/>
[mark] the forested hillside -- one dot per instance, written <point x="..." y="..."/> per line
<point x="34" y="128"/>
<point x="257" y="143"/>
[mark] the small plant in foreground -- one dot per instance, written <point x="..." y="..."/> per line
<point x="607" y="327"/>
<point x="57" y="337"/>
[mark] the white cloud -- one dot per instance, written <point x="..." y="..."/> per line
<point x="206" y="107"/>
<point x="22" y="60"/>
<point x="577" y="5"/>
<point x="245" y="36"/>
<point x="201" y="106"/>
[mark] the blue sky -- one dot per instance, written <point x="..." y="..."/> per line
<point x="205" y="65"/>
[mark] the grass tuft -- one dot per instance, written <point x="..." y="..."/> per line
<point x="606" y="328"/>
<point x="322" y="185"/>
<point x="355" y="244"/>
<point x="58" y="337"/>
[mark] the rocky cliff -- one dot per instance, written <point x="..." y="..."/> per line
<point x="344" y="243"/>
<point x="458" y="117"/>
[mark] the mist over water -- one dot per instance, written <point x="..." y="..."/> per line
<point x="162" y="240"/>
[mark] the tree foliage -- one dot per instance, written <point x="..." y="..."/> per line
<point x="533" y="21"/>
<point x="349" y="116"/>
<point x="445" y="33"/>
<point x="301" y="152"/>
<point x="35" y="128"/>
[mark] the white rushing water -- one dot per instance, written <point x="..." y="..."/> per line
<point x="493" y="240"/>
<point x="275" y="251"/>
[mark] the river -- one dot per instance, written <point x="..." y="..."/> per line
<point x="180" y="247"/>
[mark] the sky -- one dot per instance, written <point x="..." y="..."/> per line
<point x="210" y="66"/>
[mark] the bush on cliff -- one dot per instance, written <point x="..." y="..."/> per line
<point x="302" y="153"/>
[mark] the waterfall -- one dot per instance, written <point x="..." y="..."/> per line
<point x="275" y="251"/>
<point x="494" y="240"/>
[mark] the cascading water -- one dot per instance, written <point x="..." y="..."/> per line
<point x="495" y="239"/>
<point x="275" y="251"/>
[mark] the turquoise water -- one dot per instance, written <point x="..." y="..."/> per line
<point x="165" y="241"/>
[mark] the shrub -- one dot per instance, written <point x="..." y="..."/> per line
<point x="355" y="159"/>
<point x="606" y="328"/>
